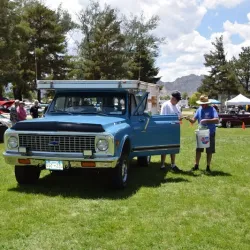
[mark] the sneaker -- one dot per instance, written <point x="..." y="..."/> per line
<point x="163" y="167"/>
<point x="195" y="168"/>
<point x="175" y="169"/>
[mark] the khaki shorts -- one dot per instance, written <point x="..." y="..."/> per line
<point x="211" y="149"/>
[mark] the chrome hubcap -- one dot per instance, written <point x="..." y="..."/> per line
<point x="124" y="171"/>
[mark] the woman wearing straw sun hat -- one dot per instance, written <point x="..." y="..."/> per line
<point x="207" y="117"/>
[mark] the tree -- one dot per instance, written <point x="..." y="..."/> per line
<point x="242" y="68"/>
<point x="9" y="41"/>
<point x="195" y="97"/>
<point x="141" y="47"/>
<point x="221" y="78"/>
<point x="117" y="48"/>
<point x="184" y="95"/>
<point x="43" y="46"/>
<point x="101" y="50"/>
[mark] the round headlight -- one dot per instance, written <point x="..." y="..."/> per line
<point x="12" y="142"/>
<point x="102" y="144"/>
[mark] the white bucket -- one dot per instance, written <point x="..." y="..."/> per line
<point x="202" y="138"/>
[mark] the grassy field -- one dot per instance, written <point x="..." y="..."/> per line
<point x="158" y="210"/>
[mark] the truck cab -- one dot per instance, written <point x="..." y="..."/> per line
<point x="91" y="124"/>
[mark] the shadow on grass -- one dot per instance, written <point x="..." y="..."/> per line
<point x="174" y="180"/>
<point x="216" y="173"/>
<point x="89" y="184"/>
<point x="199" y="173"/>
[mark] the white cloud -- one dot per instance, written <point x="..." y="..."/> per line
<point x="184" y="56"/>
<point x="248" y="17"/>
<point x="212" y="4"/>
<point x="235" y="28"/>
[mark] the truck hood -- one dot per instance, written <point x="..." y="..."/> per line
<point x="77" y="123"/>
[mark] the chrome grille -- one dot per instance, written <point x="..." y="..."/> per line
<point x="57" y="143"/>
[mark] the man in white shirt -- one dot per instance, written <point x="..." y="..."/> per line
<point x="170" y="107"/>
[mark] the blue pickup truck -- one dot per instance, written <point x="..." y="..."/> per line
<point x="91" y="124"/>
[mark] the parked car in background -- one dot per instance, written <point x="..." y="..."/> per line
<point x="5" y="106"/>
<point x="233" y="119"/>
<point x="4" y="124"/>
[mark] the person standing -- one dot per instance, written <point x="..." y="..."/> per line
<point x="34" y="109"/>
<point x="13" y="113"/>
<point x="21" y="113"/>
<point x="170" y="107"/>
<point x="207" y="117"/>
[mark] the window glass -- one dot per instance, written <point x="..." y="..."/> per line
<point x="139" y="97"/>
<point x="81" y="102"/>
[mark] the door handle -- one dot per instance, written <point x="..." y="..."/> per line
<point x="141" y="120"/>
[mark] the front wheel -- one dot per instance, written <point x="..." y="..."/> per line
<point x="2" y="130"/>
<point x="27" y="174"/>
<point x="120" y="173"/>
<point x="143" y="161"/>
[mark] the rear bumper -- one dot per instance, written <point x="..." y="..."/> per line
<point x="105" y="162"/>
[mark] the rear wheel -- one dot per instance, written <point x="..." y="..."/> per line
<point x="27" y="174"/>
<point x="120" y="173"/>
<point x="143" y="161"/>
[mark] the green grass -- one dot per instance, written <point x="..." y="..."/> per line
<point x="157" y="211"/>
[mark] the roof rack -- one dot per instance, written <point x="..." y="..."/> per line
<point x="88" y="84"/>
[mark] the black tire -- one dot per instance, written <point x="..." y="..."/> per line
<point x="143" y="161"/>
<point x="27" y="174"/>
<point x="120" y="173"/>
<point x="2" y="130"/>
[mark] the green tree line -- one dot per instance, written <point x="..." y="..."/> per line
<point x="225" y="77"/>
<point x="34" y="41"/>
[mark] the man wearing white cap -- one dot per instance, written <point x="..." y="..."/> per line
<point x="170" y="107"/>
<point x="207" y="116"/>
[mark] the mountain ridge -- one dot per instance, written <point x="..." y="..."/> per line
<point x="188" y="84"/>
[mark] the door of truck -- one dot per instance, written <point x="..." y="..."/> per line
<point x="153" y="135"/>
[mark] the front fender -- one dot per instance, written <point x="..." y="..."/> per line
<point x="121" y="146"/>
<point x="122" y="134"/>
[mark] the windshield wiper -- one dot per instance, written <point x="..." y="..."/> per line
<point x="93" y="113"/>
<point x="61" y="111"/>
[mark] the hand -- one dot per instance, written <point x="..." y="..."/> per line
<point x="203" y="121"/>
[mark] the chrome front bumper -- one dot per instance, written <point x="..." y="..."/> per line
<point x="105" y="162"/>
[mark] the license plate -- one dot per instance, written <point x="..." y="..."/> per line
<point x="54" y="165"/>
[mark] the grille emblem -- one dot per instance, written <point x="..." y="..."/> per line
<point x="53" y="143"/>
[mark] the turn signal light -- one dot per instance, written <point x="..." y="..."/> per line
<point x="24" y="161"/>
<point x="88" y="164"/>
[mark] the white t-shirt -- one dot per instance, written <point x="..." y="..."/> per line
<point x="168" y="108"/>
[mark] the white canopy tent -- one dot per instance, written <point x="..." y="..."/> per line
<point x="238" y="100"/>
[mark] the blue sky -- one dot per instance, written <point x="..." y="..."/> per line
<point x="190" y="27"/>
<point x="215" y="18"/>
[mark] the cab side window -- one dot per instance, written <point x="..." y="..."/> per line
<point x="142" y="107"/>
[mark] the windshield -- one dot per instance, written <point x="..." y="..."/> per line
<point x="88" y="103"/>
